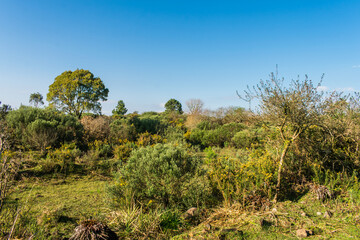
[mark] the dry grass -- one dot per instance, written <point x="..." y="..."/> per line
<point x="93" y="230"/>
<point x="280" y="221"/>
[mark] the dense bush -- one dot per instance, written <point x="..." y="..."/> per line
<point x="102" y="149"/>
<point x="124" y="128"/>
<point x="165" y="174"/>
<point x="147" y="139"/>
<point x="151" y="122"/>
<point x="208" y="134"/>
<point x="36" y="128"/>
<point x="240" y="179"/>
<point x="122" y="152"/>
<point x="248" y="138"/>
<point x="61" y="159"/>
<point x="96" y="128"/>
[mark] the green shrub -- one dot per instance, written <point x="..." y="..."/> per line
<point x="37" y="128"/>
<point x="174" y="134"/>
<point x="219" y="136"/>
<point x="64" y="157"/>
<point x="171" y="219"/>
<point x="164" y="174"/>
<point x="124" y="128"/>
<point x="102" y="148"/>
<point x="248" y="138"/>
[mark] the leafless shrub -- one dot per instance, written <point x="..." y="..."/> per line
<point x="96" y="128"/>
<point x="93" y="230"/>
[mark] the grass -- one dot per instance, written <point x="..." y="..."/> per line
<point x="56" y="206"/>
<point x="280" y="221"/>
<point x="52" y="208"/>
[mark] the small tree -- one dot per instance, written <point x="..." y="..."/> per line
<point x="4" y="110"/>
<point x="173" y="105"/>
<point x="293" y="109"/>
<point x="120" y="109"/>
<point x="77" y="92"/>
<point x="36" y="99"/>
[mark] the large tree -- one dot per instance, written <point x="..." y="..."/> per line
<point x="77" y="92"/>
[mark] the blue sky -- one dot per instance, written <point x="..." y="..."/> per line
<point x="147" y="52"/>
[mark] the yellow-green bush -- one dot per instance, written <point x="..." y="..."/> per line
<point x="122" y="152"/>
<point x="102" y="148"/>
<point x="237" y="179"/>
<point x="146" y="139"/>
<point x="62" y="158"/>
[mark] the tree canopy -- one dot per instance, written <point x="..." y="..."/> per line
<point x="36" y="99"/>
<point x="77" y="92"/>
<point x="173" y="105"/>
<point x="120" y="108"/>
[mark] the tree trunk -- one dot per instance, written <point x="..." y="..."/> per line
<point x="283" y="154"/>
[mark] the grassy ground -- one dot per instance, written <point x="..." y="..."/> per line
<point x="51" y="208"/>
<point x="281" y="221"/>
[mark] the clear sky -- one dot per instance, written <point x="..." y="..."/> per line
<point x="149" y="51"/>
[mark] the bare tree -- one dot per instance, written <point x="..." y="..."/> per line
<point x="195" y="106"/>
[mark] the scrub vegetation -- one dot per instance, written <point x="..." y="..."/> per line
<point x="288" y="170"/>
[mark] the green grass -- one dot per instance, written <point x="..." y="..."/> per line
<point x="53" y="208"/>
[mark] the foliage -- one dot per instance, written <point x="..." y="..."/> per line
<point x="250" y="137"/>
<point x="173" y="105"/>
<point x="125" y="128"/>
<point x="239" y="180"/>
<point x="165" y="174"/>
<point x="4" y="110"/>
<point x="147" y="139"/>
<point x="77" y="92"/>
<point x="218" y="136"/>
<point x="35" y="128"/>
<point x="174" y="134"/>
<point x="63" y="158"/>
<point x="152" y="122"/>
<point x="36" y="99"/>
<point x="120" y="109"/>
<point x="122" y="152"/>
<point x="292" y="109"/>
<point x="101" y="148"/>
